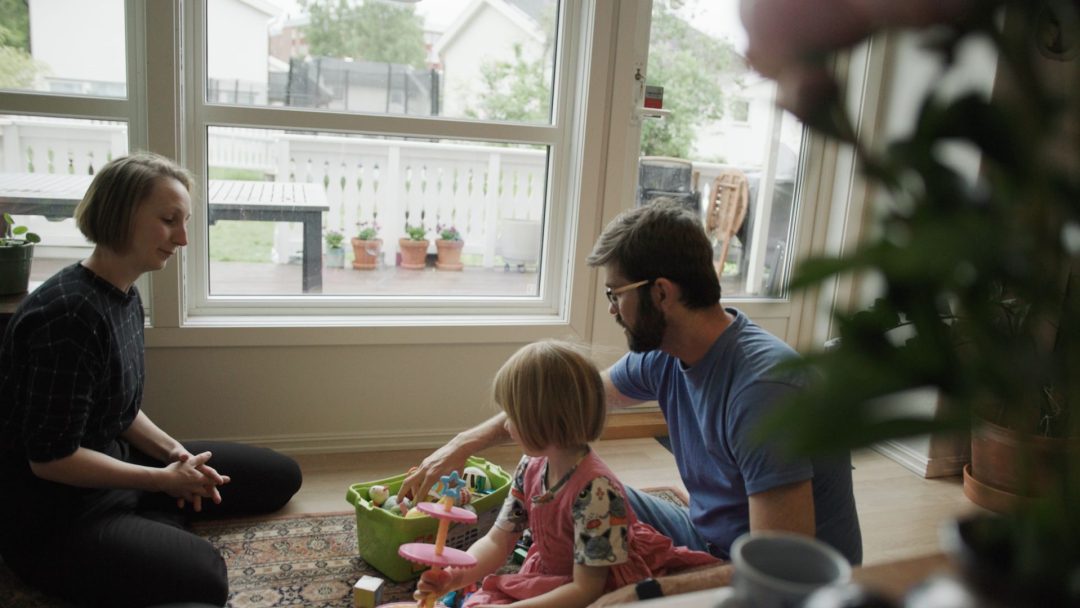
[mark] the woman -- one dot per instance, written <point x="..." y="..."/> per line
<point x="97" y="495"/>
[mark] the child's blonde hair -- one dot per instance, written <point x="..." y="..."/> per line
<point x="553" y="395"/>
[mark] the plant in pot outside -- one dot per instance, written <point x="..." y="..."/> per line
<point x="367" y="246"/>
<point x="449" y="245"/>
<point x="16" y="256"/>
<point x="982" y="277"/>
<point x="414" y="247"/>
<point x="335" y="248"/>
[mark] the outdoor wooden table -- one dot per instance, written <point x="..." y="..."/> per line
<point x="55" y="197"/>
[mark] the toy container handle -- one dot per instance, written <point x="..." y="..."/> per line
<point x="354" y="498"/>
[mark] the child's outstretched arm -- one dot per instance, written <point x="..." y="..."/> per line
<point x="490" y="552"/>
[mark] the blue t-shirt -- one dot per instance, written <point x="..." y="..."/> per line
<point x="711" y="410"/>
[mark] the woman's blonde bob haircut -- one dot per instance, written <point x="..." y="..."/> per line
<point x="107" y="210"/>
<point x="552" y="394"/>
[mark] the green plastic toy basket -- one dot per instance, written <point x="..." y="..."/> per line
<point x="379" y="532"/>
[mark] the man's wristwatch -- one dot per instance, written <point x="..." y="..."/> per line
<point x="648" y="589"/>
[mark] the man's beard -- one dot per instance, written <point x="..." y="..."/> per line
<point x="648" y="333"/>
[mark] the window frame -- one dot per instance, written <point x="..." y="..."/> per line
<point x="564" y="139"/>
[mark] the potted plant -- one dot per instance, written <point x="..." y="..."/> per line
<point x="414" y="247"/>
<point x="16" y="256"/>
<point x="982" y="276"/>
<point x="449" y="246"/>
<point x="367" y="246"/>
<point x="335" y="250"/>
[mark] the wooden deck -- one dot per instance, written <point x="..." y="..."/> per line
<point x="252" y="279"/>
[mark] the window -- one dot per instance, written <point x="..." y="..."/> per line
<point x="410" y="118"/>
<point x="51" y="144"/>
<point x="723" y="148"/>
<point x="51" y="64"/>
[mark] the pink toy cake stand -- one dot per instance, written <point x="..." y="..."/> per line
<point x="437" y="555"/>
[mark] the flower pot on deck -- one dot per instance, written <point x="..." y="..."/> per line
<point x="413" y="253"/>
<point x="449" y="254"/>
<point x="366" y="253"/>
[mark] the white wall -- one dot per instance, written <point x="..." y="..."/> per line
<point x="914" y="71"/>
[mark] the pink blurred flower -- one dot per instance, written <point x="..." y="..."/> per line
<point x="783" y="31"/>
<point x="787" y="38"/>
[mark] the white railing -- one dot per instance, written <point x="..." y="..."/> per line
<point x="389" y="181"/>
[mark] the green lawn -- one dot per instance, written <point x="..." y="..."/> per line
<point x="234" y="241"/>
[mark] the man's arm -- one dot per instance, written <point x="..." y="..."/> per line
<point x="708" y="577"/>
<point x="451" y="457"/>
<point x="788" y="508"/>
<point x="615" y="398"/>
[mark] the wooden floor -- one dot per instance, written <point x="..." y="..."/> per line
<point x="900" y="512"/>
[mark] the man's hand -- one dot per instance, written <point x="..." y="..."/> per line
<point x="448" y="458"/>
<point x="452" y="456"/>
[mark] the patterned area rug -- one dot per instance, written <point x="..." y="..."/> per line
<point x="301" y="560"/>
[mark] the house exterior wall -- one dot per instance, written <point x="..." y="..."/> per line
<point x="236" y="32"/>
<point x="55" y="25"/>
<point x="237" y="41"/>
<point x="489" y="36"/>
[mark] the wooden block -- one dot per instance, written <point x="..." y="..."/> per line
<point x="367" y="592"/>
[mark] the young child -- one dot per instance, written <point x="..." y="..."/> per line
<point x="586" y="540"/>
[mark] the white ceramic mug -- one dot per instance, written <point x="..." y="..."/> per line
<point x="779" y="569"/>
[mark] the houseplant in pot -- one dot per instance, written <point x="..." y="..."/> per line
<point x="414" y="247"/>
<point x="335" y="250"/>
<point x="16" y="256"/>
<point x="982" y="276"/>
<point x="367" y="246"/>
<point x="449" y="245"/>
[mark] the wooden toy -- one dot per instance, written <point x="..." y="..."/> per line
<point x="439" y="555"/>
<point x="367" y="592"/>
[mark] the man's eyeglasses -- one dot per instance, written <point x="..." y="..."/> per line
<point x="613" y="293"/>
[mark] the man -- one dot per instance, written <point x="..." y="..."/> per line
<point x="714" y="374"/>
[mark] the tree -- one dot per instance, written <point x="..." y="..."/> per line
<point x="17" y="67"/>
<point x="691" y="67"/>
<point x="15" y="21"/>
<point x="689" y="64"/>
<point x="515" y="90"/>
<point x="369" y="31"/>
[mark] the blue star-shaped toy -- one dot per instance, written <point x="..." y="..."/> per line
<point x="451" y="486"/>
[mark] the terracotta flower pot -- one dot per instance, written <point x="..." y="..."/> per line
<point x="366" y="253"/>
<point x="1008" y="466"/>
<point x="413" y="253"/>
<point x="449" y="254"/>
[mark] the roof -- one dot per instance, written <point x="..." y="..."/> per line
<point x="515" y="15"/>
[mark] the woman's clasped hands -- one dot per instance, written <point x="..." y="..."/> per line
<point x="188" y="478"/>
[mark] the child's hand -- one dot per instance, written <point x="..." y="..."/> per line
<point x="435" y="582"/>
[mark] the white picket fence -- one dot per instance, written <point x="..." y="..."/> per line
<point x="391" y="182"/>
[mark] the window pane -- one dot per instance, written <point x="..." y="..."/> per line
<point x="39" y="52"/>
<point x="47" y="164"/>
<point x="724" y="149"/>
<point x="277" y="198"/>
<point x="448" y="58"/>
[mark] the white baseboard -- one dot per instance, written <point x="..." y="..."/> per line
<point x="919" y="463"/>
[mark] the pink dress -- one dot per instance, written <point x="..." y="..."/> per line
<point x="586" y="519"/>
